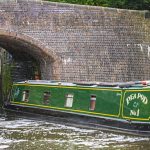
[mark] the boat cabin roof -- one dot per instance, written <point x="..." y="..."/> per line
<point x="131" y="84"/>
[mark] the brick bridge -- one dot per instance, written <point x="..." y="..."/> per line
<point x="78" y="43"/>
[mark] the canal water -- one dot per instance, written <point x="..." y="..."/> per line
<point x="38" y="133"/>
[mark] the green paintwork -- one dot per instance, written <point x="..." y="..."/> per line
<point x="120" y="103"/>
<point x="136" y="104"/>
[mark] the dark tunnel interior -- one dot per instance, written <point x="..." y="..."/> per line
<point x="18" y="60"/>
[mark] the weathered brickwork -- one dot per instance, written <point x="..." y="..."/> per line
<point x="78" y="43"/>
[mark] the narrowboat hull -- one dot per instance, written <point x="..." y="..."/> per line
<point x="81" y="120"/>
<point x="123" y="110"/>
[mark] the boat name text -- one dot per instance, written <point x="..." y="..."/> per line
<point x="138" y="96"/>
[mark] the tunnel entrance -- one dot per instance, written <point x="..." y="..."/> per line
<point x="16" y="67"/>
<point x="19" y="66"/>
<point x="23" y="58"/>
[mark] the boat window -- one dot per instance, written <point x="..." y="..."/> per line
<point x="69" y="100"/>
<point x="92" y="102"/>
<point x="25" y="97"/>
<point x="46" y="97"/>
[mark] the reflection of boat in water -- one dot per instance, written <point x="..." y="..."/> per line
<point x="124" y="107"/>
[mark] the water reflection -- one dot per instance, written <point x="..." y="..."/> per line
<point x="20" y="133"/>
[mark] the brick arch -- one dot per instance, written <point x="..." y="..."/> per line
<point x="49" y="61"/>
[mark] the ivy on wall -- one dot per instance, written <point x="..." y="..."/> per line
<point x="123" y="4"/>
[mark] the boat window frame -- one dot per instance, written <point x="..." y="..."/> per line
<point x="46" y="98"/>
<point x="25" y="96"/>
<point x="93" y="99"/>
<point x="69" y="100"/>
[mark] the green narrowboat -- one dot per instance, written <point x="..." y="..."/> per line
<point x="121" y="107"/>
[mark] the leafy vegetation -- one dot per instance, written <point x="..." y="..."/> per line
<point x="6" y="80"/>
<point x="125" y="4"/>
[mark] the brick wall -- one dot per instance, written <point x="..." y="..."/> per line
<point x="87" y="43"/>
